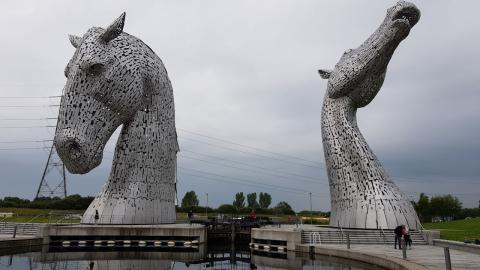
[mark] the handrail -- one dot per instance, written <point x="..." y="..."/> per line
<point x="2" y="220"/>
<point x="30" y="222"/>
<point x="59" y="219"/>
<point x="421" y="226"/>
<point x="341" y="232"/>
<point x="383" y="234"/>
<point x="315" y="238"/>
<point x="35" y="217"/>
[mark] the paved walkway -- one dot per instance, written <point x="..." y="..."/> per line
<point x="430" y="256"/>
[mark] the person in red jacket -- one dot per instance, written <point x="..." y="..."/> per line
<point x="253" y="214"/>
<point x="406" y="236"/>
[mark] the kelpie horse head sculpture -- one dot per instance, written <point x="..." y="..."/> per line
<point x="362" y="193"/>
<point x="115" y="79"/>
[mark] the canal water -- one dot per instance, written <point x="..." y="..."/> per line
<point x="214" y="257"/>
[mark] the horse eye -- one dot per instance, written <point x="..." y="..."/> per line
<point x="95" y="69"/>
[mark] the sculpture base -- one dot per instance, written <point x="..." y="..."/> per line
<point x="132" y="234"/>
<point x="130" y="210"/>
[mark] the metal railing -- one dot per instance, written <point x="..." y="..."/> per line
<point x="314" y="238"/>
<point x="340" y="230"/>
<point x="421" y="226"/>
<point x="55" y="217"/>
<point x="29" y="223"/>
<point x="382" y="232"/>
<point x="124" y="219"/>
<point x="2" y="220"/>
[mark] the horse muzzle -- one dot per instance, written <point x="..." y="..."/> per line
<point x="78" y="154"/>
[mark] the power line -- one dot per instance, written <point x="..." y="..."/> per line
<point x="250" y="165"/>
<point x="243" y="181"/>
<point x="22" y="148"/>
<point x="250" y="147"/>
<point x="245" y="169"/>
<point x="28" y="106"/>
<point x="441" y="194"/>
<point x="36" y="141"/>
<point x="29" y="97"/>
<point x="248" y="181"/>
<point x="286" y="190"/>
<point x="27" y="119"/>
<point x="226" y="165"/>
<point x="251" y="153"/>
<point x="418" y="180"/>
<point x="406" y="179"/>
<point x="48" y="126"/>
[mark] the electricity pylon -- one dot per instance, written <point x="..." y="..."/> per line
<point x="50" y="186"/>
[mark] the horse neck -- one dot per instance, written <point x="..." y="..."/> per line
<point x="343" y="143"/>
<point x="149" y="138"/>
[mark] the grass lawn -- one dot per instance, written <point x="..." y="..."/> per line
<point x="458" y="230"/>
<point x="38" y="215"/>
<point x="50" y="215"/>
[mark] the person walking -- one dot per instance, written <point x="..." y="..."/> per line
<point x="253" y="214"/>
<point x="398" y="236"/>
<point x="190" y="216"/>
<point x="97" y="216"/>
<point x="406" y="236"/>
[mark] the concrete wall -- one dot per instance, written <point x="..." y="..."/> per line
<point x="12" y="245"/>
<point x="430" y="235"/>
<point x="292" y="237"/>
<point x="173" y="230"/>
<point x="457" y="245"/>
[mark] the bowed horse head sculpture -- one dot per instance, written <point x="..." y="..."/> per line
<point x="115" y="79"/>
<point x="362" y="193"/>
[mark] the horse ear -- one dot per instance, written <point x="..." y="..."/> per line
<point x="75" y="40"/>
<point x="114" y="30"/>
<point x="324" y="73"/>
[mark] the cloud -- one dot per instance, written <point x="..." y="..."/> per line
<point x="246" y="72"/>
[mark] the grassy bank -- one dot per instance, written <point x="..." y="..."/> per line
<point x="458" y="230"/>
<point x="39" y="215"/>
<point x="49" y="215"/>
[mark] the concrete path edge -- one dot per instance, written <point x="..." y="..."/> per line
<point x="457" y="245"/>
<point x="387" y="262"/>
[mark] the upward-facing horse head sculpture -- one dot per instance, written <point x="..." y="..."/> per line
<point x="113" y="79"/>
<point x="362" y="193"/>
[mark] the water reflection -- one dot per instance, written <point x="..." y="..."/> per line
<point x="214" y="257"/>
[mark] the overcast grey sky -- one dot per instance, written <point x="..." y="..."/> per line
<point x="246" y="72"/>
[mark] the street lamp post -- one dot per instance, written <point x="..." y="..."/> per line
<point x="206" y="208"/>
<point x="311" y="210"/>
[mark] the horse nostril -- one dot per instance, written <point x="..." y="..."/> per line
<point x="74" y="149"/>
<point x="73" y="145"/>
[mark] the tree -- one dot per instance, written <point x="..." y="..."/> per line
<point x="423" y="208"/>
<point x="190" y="199"/>
<point x="446" y="206"/>
<point x="284" y="208"/>
<point x="252" y="200"/>
<point x="239" y="201"/>
<point x="226" y="209"/>
<point x="264" y="200"/>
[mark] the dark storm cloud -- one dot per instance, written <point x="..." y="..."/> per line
<point x="246" y="71"/>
